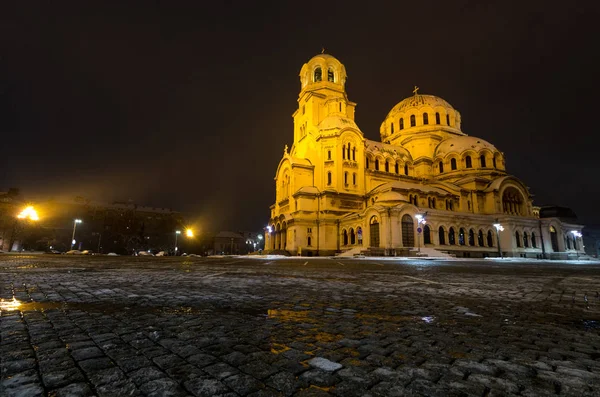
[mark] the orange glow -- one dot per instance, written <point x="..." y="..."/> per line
<point x="29" y="213"/>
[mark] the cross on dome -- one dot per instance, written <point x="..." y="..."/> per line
<point x="416" y="90"/>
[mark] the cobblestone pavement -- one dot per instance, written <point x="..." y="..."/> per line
<point x="128" y="326"/>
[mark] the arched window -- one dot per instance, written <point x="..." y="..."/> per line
<point x="367" y="163"/>
<point x="401" y="123"/>
<point x="344" y="151"/>
<point x="471" y="237"/>
<point x="352" y="237"/>
<point x="575" y="243"/>
<point x="533" y="240"/>
<point x="345" y="236"/>
<point x="468" y="162"/>
<point x="448" y="119"/>
<point x="568" y="240"/>
<point x="405" y="169"/>
<point x="346" y="178"/>
<point x="329" y="155"/>
<point x="525" y="240"/>
<point x="413" y="121"/>
<point x="374" y="231"/>
<point x="433" y="203"/>
<point x="494" y="162"/>
<point x="437" y="118"/>
<point x="461" y="236"/>
<point x="354" y="178"/>
<point x="453" y="164"/>
<point x="354" y="153"/>
<point x="482" y="160"/>
<point x="377" y="164"/>
<point x="441" y="167"/>
<point x="490" y="239"/>
<point x="318" y="74"/>
<point x="340" y="106"/>
<point x="518" y="238"/>
<point x="554" y="238"/>
<point x="387" y="166"/>
<point x="426" y="235"/>
<point x="451" y="236"/>
<point x="308" y="241"/>
<point x="396" y="167"/>
<point x="512" y="201"/>
<point x="441" y="236"/>
<point x="425" y="118"/>
<point x="480" y="238"/>
<point x="348" y="152"/>
<point x="329" y="178"/>
<point x="392" y="127"/>
<point x="330" y="75"/>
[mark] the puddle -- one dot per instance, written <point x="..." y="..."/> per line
<point x="116" y="308"/>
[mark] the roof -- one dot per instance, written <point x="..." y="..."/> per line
<point x="461" y="144"/>
<point x="402" y="185"/>
<point x="340" y="122"/>
<point x="383" y="147"/>
<point x="419" y="100"/>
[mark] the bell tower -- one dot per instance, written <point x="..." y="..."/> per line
<point x="322" y="94"/>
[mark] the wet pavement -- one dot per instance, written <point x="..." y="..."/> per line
<point x="128" y="326"/>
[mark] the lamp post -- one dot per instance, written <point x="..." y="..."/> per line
<point x="28" y="213"/>
<point x="75" y="222"/>
<point x="499" y="228"/>
<point x="177" y="233"/>
<point x="576" y="234"/>
<point x="420" y="221"/>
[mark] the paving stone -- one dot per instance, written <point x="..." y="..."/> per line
<point x="73" y="390"/>
<point x="95" y="364"/>
<point x="162" y="387"/>
<point x="220" y="370"/>
<point x="258" y="369"/>
<point x="206" y="387"/>
<point x="284" y="382"/>
<point x="145" y="375"/>
<point x="243" y="384"/>
<point x="57" y="379"/>
<point x="106" y="376"/>
<point x="22" y="378"/>
<point x="119" y="389"/>
<point x="14" y="367"/>
<point x="168" y="361"/>
<point x="87" y="353"/>
<point x="201" y="360"/>
<point x="28" y="390"/>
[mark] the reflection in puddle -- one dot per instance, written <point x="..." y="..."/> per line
<point x="9" y="305"/>
<point x="287" y="315"/>
<point x="277" y="348"/>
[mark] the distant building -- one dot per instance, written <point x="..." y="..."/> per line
<point x="337" y="190"/>
<point x="229" y="243"/>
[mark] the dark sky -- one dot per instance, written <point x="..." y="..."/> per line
<point x="188" y="104"/>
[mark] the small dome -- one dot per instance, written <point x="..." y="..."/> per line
<point x="461" y="144"/>
<point x="391" y="196"/>
<point x="323" y="69"/>
<point x="337" y="122"/>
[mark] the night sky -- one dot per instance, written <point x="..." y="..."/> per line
<point x="188" y="104"/>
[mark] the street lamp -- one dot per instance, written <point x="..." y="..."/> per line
<point x="28" y="213"/>
<point x="576" y="234"/>
<point x="75" y="222"/>
<point x="189" y="233"/>
<point x="177" y="233"/>
<point x="499" y="228"/>
<point x="420" y="221"/>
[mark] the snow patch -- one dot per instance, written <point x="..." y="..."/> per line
<point x="324" y="364"/>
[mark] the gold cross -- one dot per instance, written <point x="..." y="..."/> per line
<point x="415" y="91"/>
<point x="322" y="50"/>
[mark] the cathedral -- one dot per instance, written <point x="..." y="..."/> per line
<point x="427" y="187"/>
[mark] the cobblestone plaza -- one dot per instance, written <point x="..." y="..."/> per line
<point x="233" y="326"/>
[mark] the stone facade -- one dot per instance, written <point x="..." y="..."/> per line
<point x="336" y="190"/>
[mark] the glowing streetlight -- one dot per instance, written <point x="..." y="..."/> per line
<point x="420" y="221"/>
<point x="177" y="233"/>
<point x="499" y="228"/>
<point x="29" y="213"/>
<point x="75" y="222"/>
<point x="189" y="233"/>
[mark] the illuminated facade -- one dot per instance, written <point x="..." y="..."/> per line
<point x="336" y="190"/>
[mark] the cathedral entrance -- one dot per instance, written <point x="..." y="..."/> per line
<point x="408" y="231"/>
<point x="374" y="231"/>
<point x="554" y="239"/>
